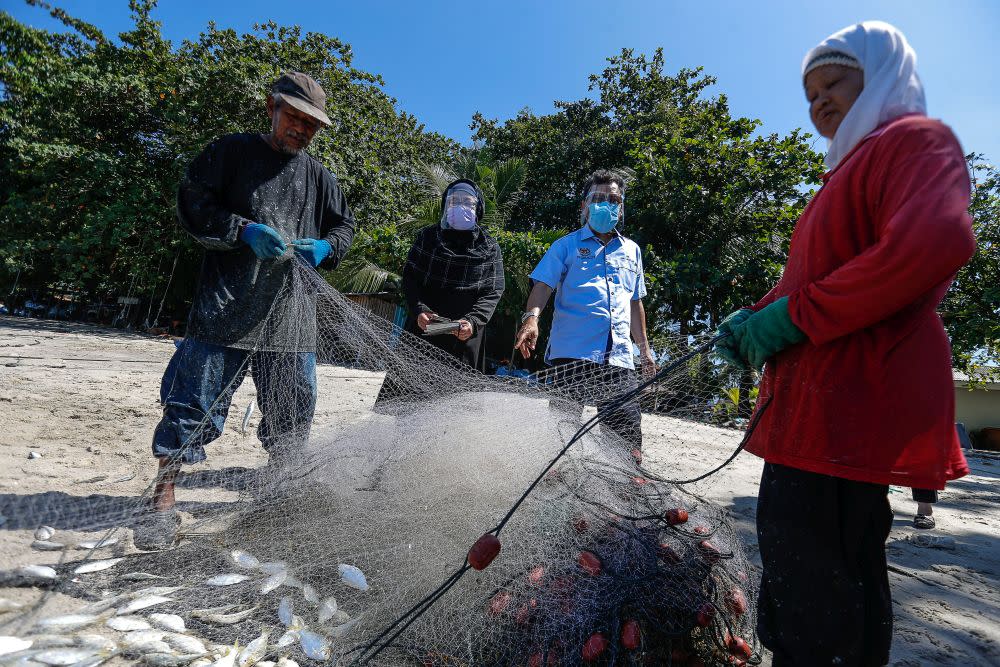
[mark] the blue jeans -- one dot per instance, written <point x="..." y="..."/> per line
<point x="198" y="387"/>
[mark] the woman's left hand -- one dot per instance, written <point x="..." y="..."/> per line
<point x="464" y="332"/>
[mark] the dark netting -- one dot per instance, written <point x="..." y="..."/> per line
<point x="463" y="520"/>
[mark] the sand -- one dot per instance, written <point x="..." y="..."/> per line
<point x="86" y="399"/>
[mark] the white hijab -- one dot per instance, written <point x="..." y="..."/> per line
<point x="892" y="87"/>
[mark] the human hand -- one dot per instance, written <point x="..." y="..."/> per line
<point x="464" y="332"/>
<point x="312" y="250"/>
<point x="423" y="319"/>
<point x="527" y="337"/>
<point x="728" y="348"/>
<point x="265" y="241"/>
<point x="648" y="366"/>
<point x="766" y="332"/>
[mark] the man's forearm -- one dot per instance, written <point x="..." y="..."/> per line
<point x="638" y="326"/>
<point x="539" y="296"/>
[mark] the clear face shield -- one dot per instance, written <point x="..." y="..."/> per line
<point x="603" y="208"/>
<point x="460" y="208"/>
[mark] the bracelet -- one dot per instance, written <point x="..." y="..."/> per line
<point x="526" y="315"/>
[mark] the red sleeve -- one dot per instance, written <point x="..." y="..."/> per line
<point x="918" y="186"/>
<point x="767" y="299"/>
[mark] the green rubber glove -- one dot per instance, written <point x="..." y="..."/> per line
<point x="767" y="332"/>
<point x="727" y="348"/>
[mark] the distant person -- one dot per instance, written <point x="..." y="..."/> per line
<point x="3" y="308"/>
<point x="455" y="271"/>
<point x="597" y="276"/>
<point x="246" y="199"/>
<point x="857" y="392"/>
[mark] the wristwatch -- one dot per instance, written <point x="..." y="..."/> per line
<point x="525" y="316"/>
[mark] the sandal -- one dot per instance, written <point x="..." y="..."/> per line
<point x="923" y="522"/>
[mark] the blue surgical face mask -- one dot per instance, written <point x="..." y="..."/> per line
<point x="603" y="217"/>
<point x="462" y="218"/>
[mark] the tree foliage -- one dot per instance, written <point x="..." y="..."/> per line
<point x="712" y="202"/>
<point x="95" y="135"/>
<point x="971" y="309"/>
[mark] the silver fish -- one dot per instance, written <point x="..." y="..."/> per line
<point x="64" y="656"/>
<point x="287" y="662"/>
<point x="68" y="622"/>
<point x="140" y="576"/>
<point x="253" y="651"/>
<point x="310" y="594"/>
<point x="169" y="622"/>
<point x="244" y="560"/>
<point x="9" y="605"/>
<point x="285" y="610"/>
<point x="97" y="565"/>
<point x="97" y="544"/>
<point x="273" y="566"/>
<point x="201" y="662"/>
<point x="127" y="623"/>
<point x="141" y="637"/>
<point x="227" y="579"/>
<point x="228" y="659"/>
<point x="266" y="663"/>
<point x="45" y="545"/>
<point x="44" y="533"/>
<point x="353" y="577"/>
<point x="169" y="659"/>
<point x="147" y="647"/>
<point x="246" y="419"/>
<point x="185" y="644"/>
<point x="272" y="582"/>
<point x="154" y="590"/>
<point x="225" y="619"/>
<point x="290" y="637"/>
<point x="343" y="630"/>
<point x="92" y="661"/>
<point x="37" y="571"/>
<point x="99" y="606"/>
<point x="327" y="609"/>
<point x="143" y="603"/>
<point x="13" y="644"/>
<point x="52" y="641"/>
<point x="98" y="642"/>
<point x="314" y="645"/>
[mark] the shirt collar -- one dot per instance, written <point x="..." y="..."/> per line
<point x="587" y="233"/>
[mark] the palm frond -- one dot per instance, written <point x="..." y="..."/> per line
<point x="427" y="213"/>
<point x="509" y="177"/>
<point x="433" y="178"/>
<point x="357" y="274"/>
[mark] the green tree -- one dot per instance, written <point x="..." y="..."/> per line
<point x="711" y="202"/>
<point x="96" y="134"/>
<point x="971" y="309"/>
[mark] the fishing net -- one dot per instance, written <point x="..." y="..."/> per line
<point x="460" y="519"/>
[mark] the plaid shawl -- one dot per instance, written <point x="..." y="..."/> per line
<point x="464" y="261"/>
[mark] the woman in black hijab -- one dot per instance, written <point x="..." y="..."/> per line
<point x="455" y="272"/>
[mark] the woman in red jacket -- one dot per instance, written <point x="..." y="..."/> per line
<point x="857" y="392"/>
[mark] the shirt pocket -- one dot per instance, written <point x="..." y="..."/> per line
<point x="624" y="273"/>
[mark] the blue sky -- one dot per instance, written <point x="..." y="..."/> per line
<point x="443" y="61"/>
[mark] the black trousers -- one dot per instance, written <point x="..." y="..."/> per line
<point x="824" y="594"/>
<point x="589" y="383"/>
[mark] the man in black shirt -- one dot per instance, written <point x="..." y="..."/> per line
<point x="255" y="202"/>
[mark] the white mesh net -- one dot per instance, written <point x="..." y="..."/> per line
<point x="352" y="545"/>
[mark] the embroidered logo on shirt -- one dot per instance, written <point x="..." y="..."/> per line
<point x="583" y="252"/>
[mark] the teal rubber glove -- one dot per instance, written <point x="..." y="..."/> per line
<point x="767" y="332"/>
<point x="728" y="348"/>
<point x="265" y="242"/>
<point x="314" y="251"/>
